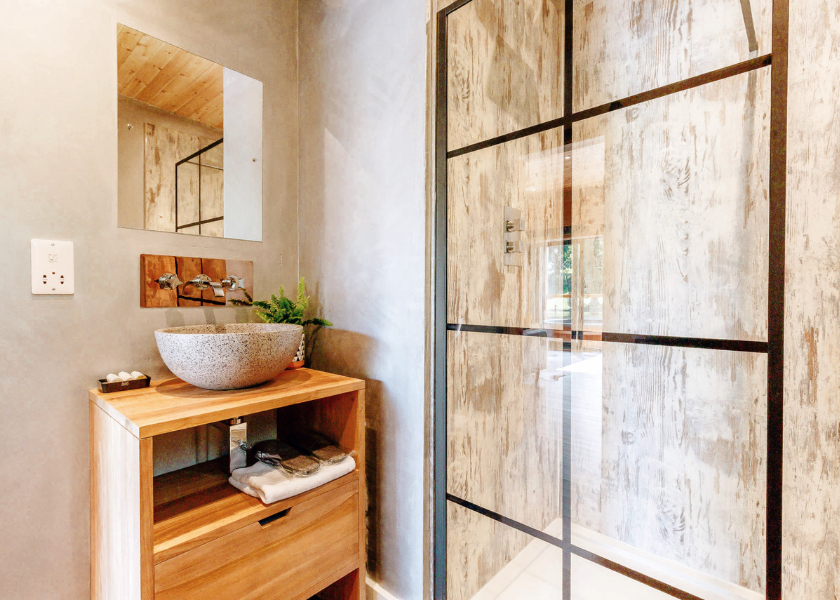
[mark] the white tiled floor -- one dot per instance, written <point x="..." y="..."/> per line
<point x="536" y="573"/>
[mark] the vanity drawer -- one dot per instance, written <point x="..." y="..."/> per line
<point x="272" y="560"/>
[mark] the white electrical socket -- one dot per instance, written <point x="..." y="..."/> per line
<point x="52" y="267"/>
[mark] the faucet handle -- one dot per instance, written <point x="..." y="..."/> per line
<point x="169" y="281"/>
<point x="201" y="282"/>
<point x="232" y="282"/>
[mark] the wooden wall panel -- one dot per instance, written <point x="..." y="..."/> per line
<point x="623" y="47"/>
<point x="683" y="471"/>
<point x="188" y="268"/>
<point x="163" y="149"/>
<point x="505" y="426"/>
<point x="526" y="174"/>
<point x="678" y="189"/>
<point x="153" y="266"/>
<point x="477" y="549"/>
<point x="505" y="67"/>
<point x="812" y="307"/>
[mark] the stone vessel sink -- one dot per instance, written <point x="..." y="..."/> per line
<point x="228" y="357"/>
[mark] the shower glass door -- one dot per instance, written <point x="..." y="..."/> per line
<point x="604" y="218"/>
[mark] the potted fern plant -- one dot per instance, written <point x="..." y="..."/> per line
<point x="280" y="309"/>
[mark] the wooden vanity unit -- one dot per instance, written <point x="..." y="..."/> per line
<point x="189" y="534"/>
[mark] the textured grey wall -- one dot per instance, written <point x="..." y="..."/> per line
<point x="58" y="179"/>
<point x="362" y="207"/>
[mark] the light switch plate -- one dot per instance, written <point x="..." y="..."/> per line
<point x="52" y="267"/>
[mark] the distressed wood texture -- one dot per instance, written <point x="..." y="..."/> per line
<point x="163" y="149"/>
<point x="683" y="471"/>
<point x="678" y="190"/>
<point x="212" y="200"/>
<point x="477" y="548"/>
<point x="172" y="79"/>
<point x="812" y="310"/>
<point x="188" y="196"/>
<point x="624" y="47"/>
<point x="441" y="4"/>
<point x="505" y="426"/>
<point x="505" y="67"/>
<point x="526" y="174"/>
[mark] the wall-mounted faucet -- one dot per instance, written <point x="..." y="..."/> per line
<point x="170" y="281"/>
<point x="202" y="282"/>
<point x="232" y="282"/>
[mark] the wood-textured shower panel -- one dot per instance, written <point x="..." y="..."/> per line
<point x="526" y="174"/>
<point x="677" y="190"/>
<point x="681" y="461"/>
<point x="505" y="425"/>
<point x="163" y="149"/>
<point x="478" y="549"/>
<point x="812" y="307"/>
<point x="505" y="68"/>
<point x="624" y="47"/>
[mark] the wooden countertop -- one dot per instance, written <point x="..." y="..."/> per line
<point x="172" y="405"/>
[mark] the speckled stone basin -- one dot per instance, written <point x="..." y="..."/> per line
<point x="228" y="357"/>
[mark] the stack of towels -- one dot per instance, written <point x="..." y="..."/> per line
<point x="271" y="484"/>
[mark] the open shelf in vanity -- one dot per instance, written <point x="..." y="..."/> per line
<point x="189" y="533"/>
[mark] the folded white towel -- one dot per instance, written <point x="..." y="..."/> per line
<point x="271" y="484"/>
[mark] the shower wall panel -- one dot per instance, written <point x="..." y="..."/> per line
<point x="682" y="458"/>
<point x="505" y="67"/>
<point x="491" y="561"/>
<point x="812" y="306"/>
<point x="677" y="188"/>
<point x="624" y="47"/>
<point x="505" y="426"/>
<point x="526" y="174"/>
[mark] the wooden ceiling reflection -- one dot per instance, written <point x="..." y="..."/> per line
<point x="169" y="78"/>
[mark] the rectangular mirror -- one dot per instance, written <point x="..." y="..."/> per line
<point x="189" y="142"/>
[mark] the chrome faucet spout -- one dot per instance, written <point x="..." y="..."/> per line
<point x="218" y="290"/>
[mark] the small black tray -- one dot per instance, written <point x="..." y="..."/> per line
<point x="121" y="386"/>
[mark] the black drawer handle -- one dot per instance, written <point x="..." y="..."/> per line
<point x="275" y="517"/>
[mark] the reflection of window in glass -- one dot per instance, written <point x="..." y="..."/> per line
<point x="558" y="282"/>
<point x="586" y="288"/>
<point x="592" y="271"/>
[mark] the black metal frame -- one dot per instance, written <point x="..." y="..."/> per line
<point x="198" y="154"/>
<point x="773" y="348"/>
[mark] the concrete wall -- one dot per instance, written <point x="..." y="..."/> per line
<point x="58" y="179"/>
<point x="362" y="207"/>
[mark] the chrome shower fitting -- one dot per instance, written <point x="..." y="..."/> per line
<point x="169" y="281"/>
<point x="202" y="282"/>
<point x="514" y="226"/>
<point x="232" y="282"/>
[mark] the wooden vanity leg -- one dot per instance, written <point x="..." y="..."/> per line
<point x="121" y="511"/>
<point x="147" y="520"/>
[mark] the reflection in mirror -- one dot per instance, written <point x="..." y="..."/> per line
<point x="189" y="142"/>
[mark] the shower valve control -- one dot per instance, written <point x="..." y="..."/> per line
<point x="514" y="225"/>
